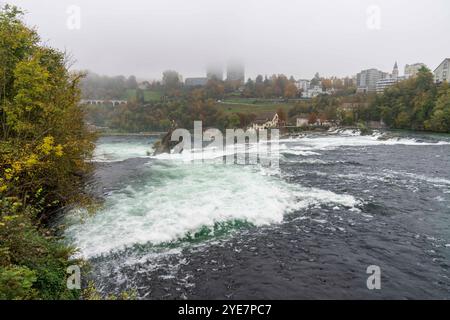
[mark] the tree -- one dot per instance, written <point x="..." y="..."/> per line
<point x="215" y="89"/>
<point x="233" y="121"/>
<point x="44" y="148"/>
<point x="312" y="119"/>
<point x="316" y="80"/>
<point x="411" y="104"/>
<point x="327" y="84"/>
<point x="290" y="91"/>
<point x="440" y="118"/>
<point x="171" y="80"/>
<point x="132" y="83"/>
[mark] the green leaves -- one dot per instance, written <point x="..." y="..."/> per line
<point x="16" y="283"/>
<point x="417" y="104"/>
<point x="440" y="118"/>
<point x="44" y="145"/>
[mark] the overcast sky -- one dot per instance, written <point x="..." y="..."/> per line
<point x="332" y="37"/>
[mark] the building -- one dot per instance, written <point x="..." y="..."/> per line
<point x="196" y="82"/>
<point x="389" y="81"/>
<point x="103" y="102"/>
<point x="302" y="122"/>
<point x="395" y="71"/>
<point x="303" y="85"/>
<point x="313" y="92"/>
<point x="386" y="83"/>
<point x="442" y="72"/>
<point x="350" y="106"/>
<point x="145" y="85"/>
<point x="366" y="80"/>
<point x="214" y="72"/>
<point x="411" y="70"/>
<point x="264" y="122"/>
<point x="236" y="72"/>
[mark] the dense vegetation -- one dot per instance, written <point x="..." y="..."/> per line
<point x="159" y="116"/>
<point x="418" y="104"/>
<point x="414" y="104"/>
<point x="43" y="148"/>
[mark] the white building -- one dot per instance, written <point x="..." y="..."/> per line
<point x="386" y="83"/>
<point x="313" y="92"/>
<point x="303" y="85"/>
<point x="442" y="72"/>
<point x="102" y="102"/>
<point x="302" y="122"/>
<point x="411" y="70"/>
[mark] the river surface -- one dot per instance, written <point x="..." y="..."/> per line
<point x="339" y="202"/>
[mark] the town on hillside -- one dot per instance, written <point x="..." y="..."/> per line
<point x="127" y="105"/>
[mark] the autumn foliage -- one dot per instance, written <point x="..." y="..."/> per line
<point x="44" y="146"/>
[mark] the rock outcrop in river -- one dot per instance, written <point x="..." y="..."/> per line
<point x="165" y="145"/>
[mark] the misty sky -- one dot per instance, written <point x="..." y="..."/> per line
<point x="299" y="38"/>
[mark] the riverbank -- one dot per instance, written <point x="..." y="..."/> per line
<point x="131" y="134"/>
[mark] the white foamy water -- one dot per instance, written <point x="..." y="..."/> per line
<point x="180" y="198"/>
<point x="113" y="151"/>
<point x="192" y="197"/>
<point x="347" y="138"/>
<point x="177" y="197"/>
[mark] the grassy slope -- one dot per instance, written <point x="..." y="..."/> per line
<point x="247" y="106"/>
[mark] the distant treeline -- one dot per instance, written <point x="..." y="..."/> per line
<point x="94" y="86"/>
<point x="417" y="103"/>
<point x="160" y="116"/>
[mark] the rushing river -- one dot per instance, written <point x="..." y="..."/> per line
<point x="340" y="202"/>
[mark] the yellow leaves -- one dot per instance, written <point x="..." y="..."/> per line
<point x="31" y="161"/>
<point x="17" y="166"/>
<point x="48" y="146"/>
<point x="26" y="164"/>
<point x="8" y="174"/>
<point x="59" y="150"/>
<point x="10" y="218"/>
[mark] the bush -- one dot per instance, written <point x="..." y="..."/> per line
<point x="16" y="283"/>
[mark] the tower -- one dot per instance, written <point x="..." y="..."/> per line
<point x="395" y="71"/>
<point x="236" y="72"/>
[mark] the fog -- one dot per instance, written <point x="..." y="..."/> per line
<point x="296" y="38"/>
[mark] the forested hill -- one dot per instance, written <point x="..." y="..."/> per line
<point x="414" y="104"/>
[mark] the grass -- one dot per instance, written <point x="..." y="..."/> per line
<point x="149" y="95"/>
<point x="257" y="108"/>
<point x="257" y="101"/>
<point x="130" y="94"/>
